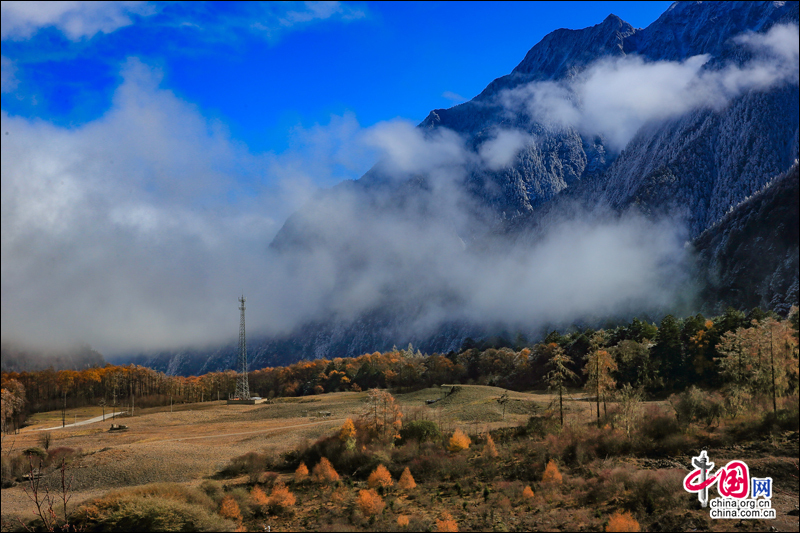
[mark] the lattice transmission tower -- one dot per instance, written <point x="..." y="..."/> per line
<point x="242" y="386"/>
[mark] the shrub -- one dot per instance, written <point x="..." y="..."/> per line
<point x="55" y="455"/>
<point x="459" y="441"/>
<point x="34" y="451"/>
<point x="369" y="502"/>
<point x="301" y="474"/>
<point x="489" y="449"/>
<point x="527" y="493"/>
<point x="446" y="523"/>
<point x="252" y="464"/>
<point x="551" y="474"/>
<point x="402" y="520"/>
<point x="695" y="405"/>
<point x="380" y="477"/>
<point x="420" y="431"/>
<point x="230" y="509"/>
<point x="324" y="473"/>
<point x="281" y="498"/>
<point x="406" y="480"/>
<point x="622" y="521"/>
<point x="213" y="489"/>
<point x="156" y="507"/>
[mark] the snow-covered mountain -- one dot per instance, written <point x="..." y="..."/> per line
<point x="714" y="121"/>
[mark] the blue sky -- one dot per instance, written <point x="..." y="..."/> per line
<point x="264" y="69"/>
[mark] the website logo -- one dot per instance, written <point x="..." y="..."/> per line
<point x="740" y="495"/>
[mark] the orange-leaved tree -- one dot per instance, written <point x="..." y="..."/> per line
<point x="324" y="473"/>
<point x="527" y="493"/>
<point x="459" y="441"/>
<point x="622" y="521"/>
<point x="599" y="366"/>
<point x="406" y="480"/>
<point x="259" y="498"/>
<point x="446" y="523"/>
<point x="380" y="477"/>
<point x="347" y="433"/>
<point x="551" y="474"/>
<point x="489" y="449"/>
<point x="301" y="474"/>
<point x="370" y="502"/>
<point x="230" y="509"/>
<point x="281" y="497"/>
<point x="382" y="415"/>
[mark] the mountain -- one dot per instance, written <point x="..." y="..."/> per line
<point x="750" y="256"/>
<point x="557" y="138"/>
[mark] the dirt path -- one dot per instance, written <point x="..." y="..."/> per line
<point x="100" y="418"/>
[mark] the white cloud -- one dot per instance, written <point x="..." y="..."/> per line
<point x="273" y="18"/>
<point x="9" y="79"/>
<point x="616" y="97"/>
<point x="77" y="20"/>
<point x="140" y="229"/>
<point x="453" y="97"/>
<point x="126" y="231"/>
<point x="502" y="148"/>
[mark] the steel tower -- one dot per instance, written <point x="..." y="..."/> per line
<point x="242" y="387"/>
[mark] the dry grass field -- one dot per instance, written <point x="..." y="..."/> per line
<point x="194" y="442"/>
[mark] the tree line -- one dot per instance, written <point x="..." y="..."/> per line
<point x="754" y="353"/>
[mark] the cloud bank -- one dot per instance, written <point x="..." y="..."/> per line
<point x="77" y="20"/>
<point x="614" y="98"/>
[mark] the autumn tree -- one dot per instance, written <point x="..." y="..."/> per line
<point x="382" y="415"/>
<point x="230" y="509"/>
<point x="622" y="521"/>
<point x="369" y="502"/>
<point x="782" y="361"/>
<point x="446" y="524"/>
<point x="380" y="477"/>
<point x="489" y="449"/>
<point x="324" y="473"/>
<point x="459" y="441"/>
<point x="406" y="480"/>
<point x="301" y="474"/>
<point x="281" y="498"/>
<point x="347" y="434"/>
<point x="629" y="399"/>
<point x="599" y="366"/>
<point x="12" y="400"/>
<point x="761" y="358"/>
<point x="551" y="474"/>
<point x="559" y="374"/>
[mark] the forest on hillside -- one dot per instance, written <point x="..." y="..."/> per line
<point x="743" y="354"/>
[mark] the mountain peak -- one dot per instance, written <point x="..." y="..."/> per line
<point x="563" y="52"/>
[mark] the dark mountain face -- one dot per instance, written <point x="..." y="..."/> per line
<point x="533" y="182"/>
<point x="750" y="257"/>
